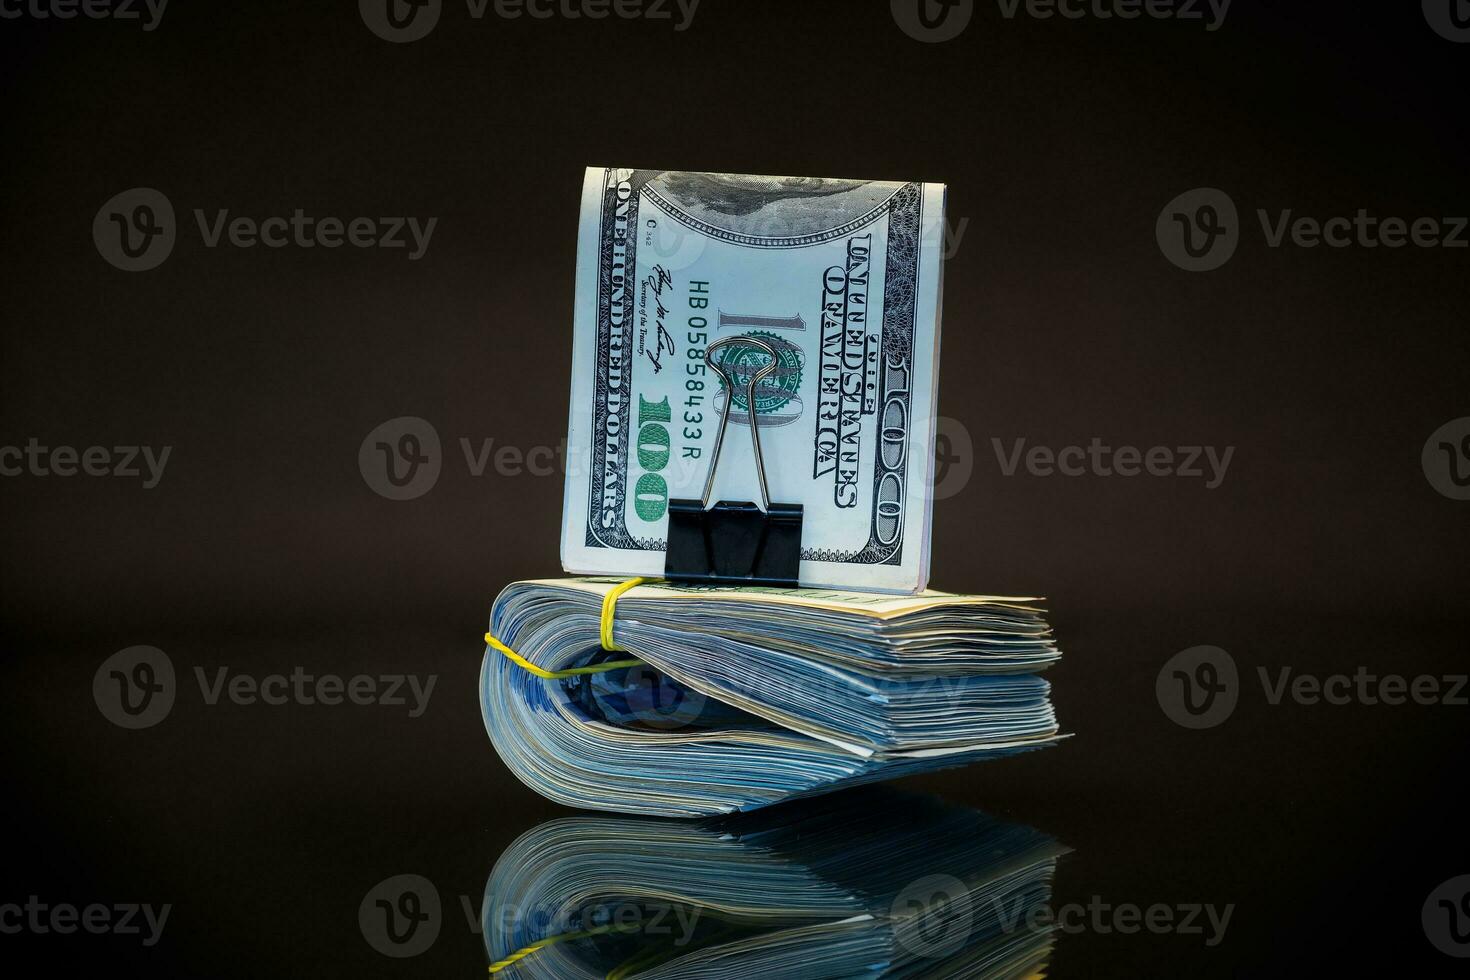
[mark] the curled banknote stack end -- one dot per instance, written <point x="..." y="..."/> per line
<point x="736" y="698"/>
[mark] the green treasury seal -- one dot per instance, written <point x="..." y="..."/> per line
<point x="776" y="391"/>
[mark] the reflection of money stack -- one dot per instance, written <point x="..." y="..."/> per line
<point x="806" y="311"/>
<point x="891" y="885"/>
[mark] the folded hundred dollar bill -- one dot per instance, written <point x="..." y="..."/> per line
<point x="733" y="698"/>
<point x="840" y="279"/>
<point x="886" y="885"/>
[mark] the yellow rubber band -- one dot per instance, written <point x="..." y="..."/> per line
<point x="554" y="675"/>
<point x="525" y="951"/>
<point x="609" y="601"/>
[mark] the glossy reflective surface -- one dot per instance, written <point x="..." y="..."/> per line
<point x="335" y="838"/>
<point x="867" y="882"/>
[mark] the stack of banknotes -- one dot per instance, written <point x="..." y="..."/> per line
<point x="801" y="315"/>
<point x="890" y="885"/>
<point x="736" y="698"/>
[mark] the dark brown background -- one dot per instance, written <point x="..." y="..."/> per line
<point x="263" y="548"/>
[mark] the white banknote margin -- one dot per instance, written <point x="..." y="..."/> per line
<point x="923" y="426"/>
<point x="574" y="551"/>
<point x="877" y="605"/>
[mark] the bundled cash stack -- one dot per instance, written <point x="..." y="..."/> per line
<point x="782" y="641"/>
<point x="892" y="886"/>
<point x="740" y="697"/>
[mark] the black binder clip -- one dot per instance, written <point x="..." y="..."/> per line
<point x="735" y="543"/>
